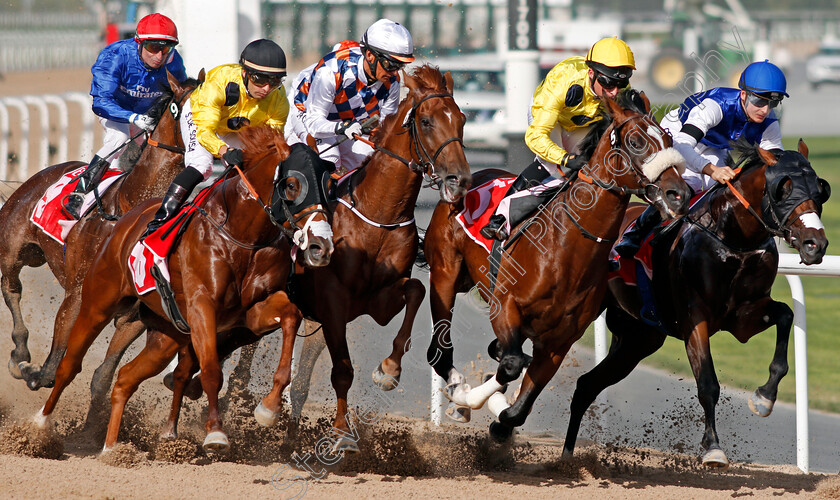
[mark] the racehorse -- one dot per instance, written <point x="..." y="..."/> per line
<point x="228" y="272"/>
<point x="24" y="244"/>
<point x="552" y="278"/>
<point x="376" y="237"/>
<point x="715" y="273"/>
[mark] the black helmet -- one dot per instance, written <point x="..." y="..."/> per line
<point x="263" y="56"/>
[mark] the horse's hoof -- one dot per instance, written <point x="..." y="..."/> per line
<point x="194" y="390"/>
<point x="457" y="393"/>
<point x="14" y="369"/>
<point x="344" y="445"/>
<point x="264" y="416"/>
<point x="500" y="433"/>
<point x="216" y="442"/>
<point x="31" y="374"/>
<point x="460" y="414"/>
<point x="383" y="380"/>
<point x="715" y="459"/>
<point x="760" y="405"/>
<point x="40" y="420"/>
<point x="168" y="436"/>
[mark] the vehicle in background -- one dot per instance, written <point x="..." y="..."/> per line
<point x="824" y="66"/>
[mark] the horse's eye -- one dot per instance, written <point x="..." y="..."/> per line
<point x="426" y="123"/>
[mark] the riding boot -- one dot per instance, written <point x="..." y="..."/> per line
<point x="533" y="175"/>
<point x="174" y="199"/>
<point x="632" y="239"/>
<point x="87" y="181"/>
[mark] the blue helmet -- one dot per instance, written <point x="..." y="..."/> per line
<point x="764" y="78"/>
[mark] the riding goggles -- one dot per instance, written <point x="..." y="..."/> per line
<point x="609" y="83"/>
<point x="759" y="102"/>
<point x="261" y="79"/>
<point x="388" y="64"/>
<point x="158" y="46"/>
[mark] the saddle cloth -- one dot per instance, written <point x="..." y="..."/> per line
<point x="49" y="215"/>
<point x="480" y="204"/>
<point x="154" y="249"/>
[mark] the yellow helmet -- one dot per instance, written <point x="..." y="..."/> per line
<point x="612" y="57"/>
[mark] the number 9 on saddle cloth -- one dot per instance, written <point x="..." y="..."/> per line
<point x="312" y="176"/>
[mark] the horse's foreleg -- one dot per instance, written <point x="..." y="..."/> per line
<point x="181" y="377"/>
<point x="753" y="319"/>
<point x="128" y="329"/>
<point x="544" y="365"/>
<point x="202" y="316"/>
<point x="632" y="342"/>
<point x="154" y="357"/>
<point x="313" y="345"/>
<point x="442" y="292"/>
<point x="335" y="332"/>
<point x="408" y="293"/>
<point x="12" y="289"/>
<point x="708" y="390"/>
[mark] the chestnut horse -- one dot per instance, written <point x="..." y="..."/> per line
<point x="24" y="244"/>
<point x="715" y="273"/>
<point x="376" y="237"/>
<point x="228" y="272"/>
<point x="552" y="278"/>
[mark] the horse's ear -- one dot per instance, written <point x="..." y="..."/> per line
<point x="613" y="108"/>
<point x="174" y="84"/>
<point x="803" y="149"/>
<point x="766" y="156"/>
<point x="201" y="75"/>
<point x="450" y="86"/>
<point x="645" y="100"/>
<point x="410" y="81"/>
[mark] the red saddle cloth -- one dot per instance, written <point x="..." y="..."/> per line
<point x="49" y="215"/>
<point x="479" y="205"/>
<point x="154" y="249"/>
<point x="627" y="267"/>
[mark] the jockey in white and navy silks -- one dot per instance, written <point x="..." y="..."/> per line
<point x="347" y="86"/>
<point x="128" y="76"/>
<point x="703" y="128"/>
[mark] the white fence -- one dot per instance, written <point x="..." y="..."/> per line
<point x="790" y="266"/>
<point x="38" y="131"/>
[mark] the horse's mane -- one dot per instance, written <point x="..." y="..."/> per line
<point x="260" y="141"/>
<point x="429" y="80"/>
<point x="161" y="104"/>
<point x="628" y="99"/>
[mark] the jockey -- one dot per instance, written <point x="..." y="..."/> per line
<point x="128" y="76"/>
<point x="350" y="84"/>
<point x="232" y="96"/>
<point x="705" y="124"/>
<point x="569" y="99"/>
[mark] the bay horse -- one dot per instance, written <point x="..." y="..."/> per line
<point x="376" y="238"/>
<point x="715" y="273"/>
<point x="24" y="244"/>
<point x="228" y="273"/>
<point x="552" y="278"/>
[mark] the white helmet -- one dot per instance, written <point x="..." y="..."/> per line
<point x="390" y="39"/>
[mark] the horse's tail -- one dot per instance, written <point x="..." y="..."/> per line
<point x="420" y="259"/>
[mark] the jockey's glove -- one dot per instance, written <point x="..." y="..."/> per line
<point x="233" y="157"/>
<point x="574" y="162"/>
<point x="145" y="122"/>
<point x="348" y="128"/>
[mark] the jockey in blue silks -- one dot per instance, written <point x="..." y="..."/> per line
<point x="128" y="76"/>
<point x="705" y="124"/>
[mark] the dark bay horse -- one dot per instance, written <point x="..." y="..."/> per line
<point x="24" y="244"/>
<point x="552" y="279"/>
<point x="715" y="273"/>
<point x="228" y="272"/>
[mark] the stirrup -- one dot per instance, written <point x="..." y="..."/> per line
<point x="71" y="205"/>
<point x="494" y="228"/>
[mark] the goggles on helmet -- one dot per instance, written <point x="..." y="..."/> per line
<point x="388" y="64"/>
<point x="760" y="102"/>
<point x="157" y="46"/>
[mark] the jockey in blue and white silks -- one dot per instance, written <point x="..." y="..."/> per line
<point x="348" y="85"/>
<point x="128" y="76"/>
<point x="703" y="127"/>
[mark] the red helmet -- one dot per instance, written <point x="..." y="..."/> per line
<point x="156" y="27"/>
